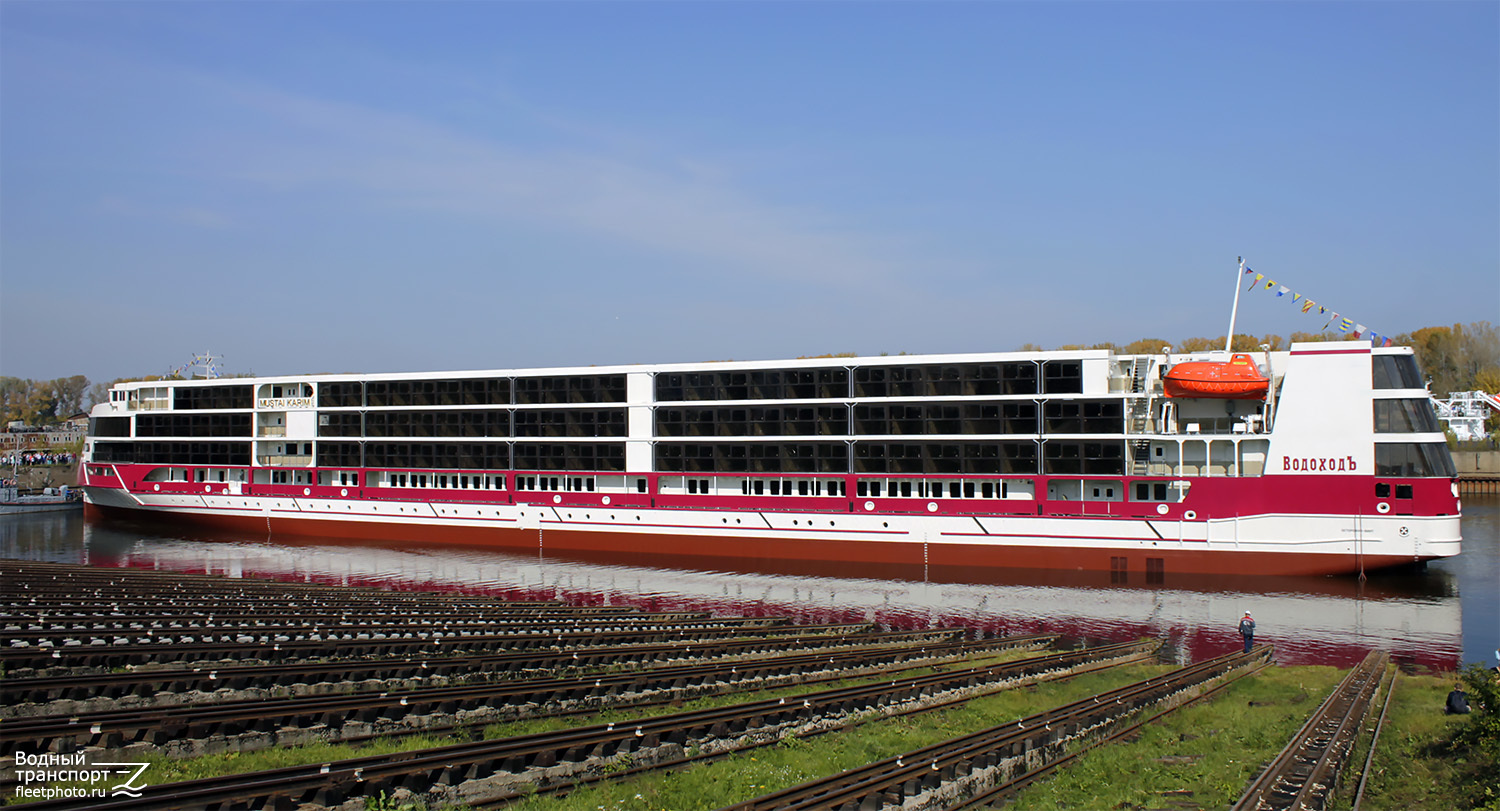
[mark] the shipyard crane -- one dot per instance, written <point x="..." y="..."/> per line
<point x="1465" y="413"/>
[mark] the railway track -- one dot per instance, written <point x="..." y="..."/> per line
<point x="979" y="767"/>
<point x="261" y="723"/>
<point x="1306" y="773"/>
<point x="497" y="770"/>
<point x="351" y="646"/>
<point x="98" y="687"/>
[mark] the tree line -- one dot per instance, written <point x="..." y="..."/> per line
<point x="1463" y="357"/>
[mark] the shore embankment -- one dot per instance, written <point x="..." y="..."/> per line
<point x="1478" y="471"/>
<point x="38" y="477"/>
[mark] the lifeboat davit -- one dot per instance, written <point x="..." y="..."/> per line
<point x="1235" y="379"/>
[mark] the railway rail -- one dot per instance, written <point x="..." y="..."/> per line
<point x="152" y="683"/>
<point x="980" y="766"/>
<point x="262" y="723"/>
<point x="1305" y="773"/>
<point x="350" y="646"/>
<point x="490" y="771"/>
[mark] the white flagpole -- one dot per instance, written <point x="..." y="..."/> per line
<point x="1239" y="277"/>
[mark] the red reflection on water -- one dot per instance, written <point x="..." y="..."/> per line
<point x="1319" y="620"/>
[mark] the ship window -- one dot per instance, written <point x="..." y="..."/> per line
<point x="875" y="489"/>
<point x="1403" y="491"/>
<point x="906" y="489"/>
<point x="1382" y="489"/>
<point x="760" y="488"/>
<point x="776" y="487"/>
<point x="862" y="488"/>
<point x="1414" y="459"/>
<point x="640" y="485"/>
<point x="968" y="489"/>
<point x="1396" y="372"/>
<point x="987" y="490"/>
<point x="1405" y="416"/>
<point x="802" y="488"/>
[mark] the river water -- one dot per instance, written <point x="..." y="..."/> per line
<point x="1437" y="619"/>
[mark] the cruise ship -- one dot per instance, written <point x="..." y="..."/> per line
<point x="1325" y="458"/>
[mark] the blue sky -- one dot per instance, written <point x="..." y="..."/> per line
<point x="392" y="186"/>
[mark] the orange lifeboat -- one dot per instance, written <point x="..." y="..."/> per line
<point x="1235" y="379"/>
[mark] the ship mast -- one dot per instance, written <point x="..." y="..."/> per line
<point x="1229" y="338"/>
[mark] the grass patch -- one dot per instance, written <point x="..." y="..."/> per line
<point x="1413" y="769"/>
<point x="754" y="772"/>
<point x="1205" y="754"/>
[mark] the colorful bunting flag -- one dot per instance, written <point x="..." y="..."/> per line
<point x="1336" y="321"/>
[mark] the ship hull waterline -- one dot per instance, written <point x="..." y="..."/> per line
<point x="1029" y="550"/>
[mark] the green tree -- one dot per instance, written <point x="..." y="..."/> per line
<point x="1145" y="346"/>
<point x="1478" y="740"/>
<point x="14" y="393"/>
<point x="70" y="392"/>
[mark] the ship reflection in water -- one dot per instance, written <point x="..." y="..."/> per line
<point x="1417" y="615"/>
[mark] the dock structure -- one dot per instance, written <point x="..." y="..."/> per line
<point x="1478" y="471"/>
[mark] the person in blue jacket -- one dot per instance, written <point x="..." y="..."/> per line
<point x="1247" y="630"/>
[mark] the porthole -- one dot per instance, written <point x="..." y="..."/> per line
<point x="1190" y="515"/>
<point x="344" y="492"/>
<point x="1382" y="508"/>
<point x="605" y="500"/>
<point x="1161" y="509"/>
<point x="208" y="488"/>
<point x="156" y="487"/>
<point x="307" y="491"/>
<point x="932" y="506"/>
<point x="869" y="505"/>
<point x="557" y="499"/>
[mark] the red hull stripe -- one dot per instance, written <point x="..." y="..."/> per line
<point x="915" y="554"/>
<point x="1350" y="351"/>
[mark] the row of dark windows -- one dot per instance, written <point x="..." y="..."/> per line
<point x="187" y="398"/>
<point x="764" y="421"/>
<point x="109" y="426"/>
<point x="473" y="391"/>
<point x="184" y="425"/>
<point x="173" y="453"/>
<point x="928" y="457"/>
<point x="935" y="380"/>
<point x="1395" y="372"/>
<point x="987" y="458"/>
<point x="1058" y="417"/>
<point x="1405" y="417"/>
<point x="474" y="455"/>
<point x="605" y="422"/>
<point x="1414" y="459"/>
<point x="946" y="380"/>
<point x="758" y="384"/>
<point x="799" y="457"/>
